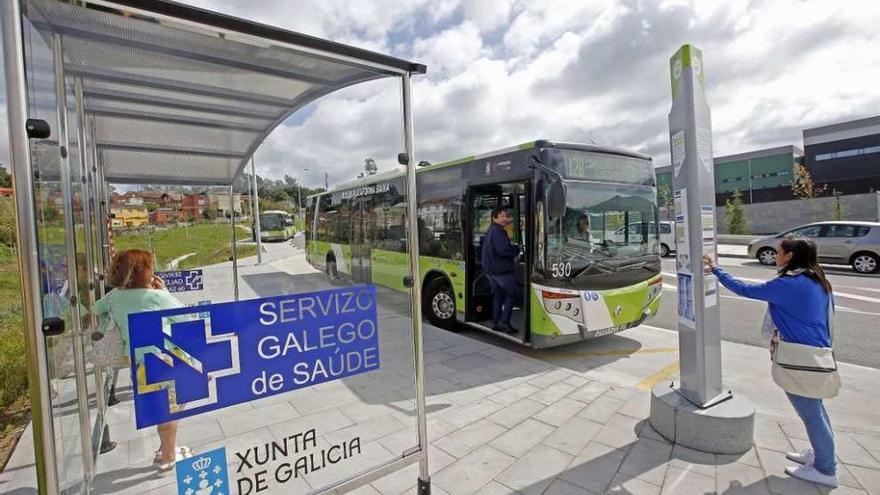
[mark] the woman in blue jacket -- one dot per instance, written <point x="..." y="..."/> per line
<point x="798" y="302"/>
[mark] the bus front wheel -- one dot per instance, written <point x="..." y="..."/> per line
<point x="439" y="303"/>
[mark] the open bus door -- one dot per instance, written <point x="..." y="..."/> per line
<point x="479" y="295"/>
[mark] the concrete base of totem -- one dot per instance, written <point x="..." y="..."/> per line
<point x="725" y="428"/>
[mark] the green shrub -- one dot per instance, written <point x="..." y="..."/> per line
<point x="7" y="222"/>
<point x="735" y="215"/>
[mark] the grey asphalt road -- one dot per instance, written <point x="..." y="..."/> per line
<point x="857" y="332"/>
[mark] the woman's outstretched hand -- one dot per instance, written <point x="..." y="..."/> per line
<point x="709" y="264"/>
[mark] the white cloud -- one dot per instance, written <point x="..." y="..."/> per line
<point x="450" y="51"/>
<point x="506" y="72"/>
<point x="487" y="15"/>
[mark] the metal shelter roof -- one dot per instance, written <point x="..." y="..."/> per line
<point x="183" y="95"/>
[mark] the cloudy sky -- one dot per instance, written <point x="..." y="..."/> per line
<point x="503" y="72"/>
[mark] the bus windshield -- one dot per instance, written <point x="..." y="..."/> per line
<point x="271" y="221"/>
<point x="590" y="238"/>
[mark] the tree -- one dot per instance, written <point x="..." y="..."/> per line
<point x="5" y="177"/>
<point x="370" y="168"/>
<point x="209" y="213"/>
<point x="802" y="185"/>
<point x="837" y="210"/>
<point x="735" y="215"/>
<point x="665" y="199"/>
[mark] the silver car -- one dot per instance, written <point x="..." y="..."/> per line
<point x="844" y="243"/>
<point x="667" y="235"/>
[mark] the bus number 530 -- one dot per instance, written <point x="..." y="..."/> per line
<point x="561" y="270"/>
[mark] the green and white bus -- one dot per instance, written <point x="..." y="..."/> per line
<point x="276" y="225"/>
<point x="579" y="279"/>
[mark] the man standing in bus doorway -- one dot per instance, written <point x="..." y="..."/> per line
<point x="499" y="261"/>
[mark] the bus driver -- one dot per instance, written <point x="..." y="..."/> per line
<point x="583" y="229"/>
<point x="499" y="261"/>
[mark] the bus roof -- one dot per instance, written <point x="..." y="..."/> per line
<point x="540" y="143"/>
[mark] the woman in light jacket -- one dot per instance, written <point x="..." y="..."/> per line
<point x="136" y="289"/>
<point x="799" y="301"/>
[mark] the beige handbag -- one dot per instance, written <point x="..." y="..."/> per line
<point x="806" y="370"/>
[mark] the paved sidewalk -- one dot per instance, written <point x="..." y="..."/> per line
<point x="557" y="430"/>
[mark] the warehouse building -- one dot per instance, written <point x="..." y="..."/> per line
<point x="761" y="176"/>
<point x="845" y="156"/>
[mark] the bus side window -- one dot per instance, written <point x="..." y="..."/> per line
<point x="440" y="225"/>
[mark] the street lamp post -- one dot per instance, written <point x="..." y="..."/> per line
<point x="255" y="212"/>
<point x="300" y="203"/>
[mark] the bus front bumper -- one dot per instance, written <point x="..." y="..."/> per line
<point x="541" y="341"/>
<point x="561" y="316"/>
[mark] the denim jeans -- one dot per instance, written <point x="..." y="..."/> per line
<point x="504" y="292"/>
<point x="812" y="412"/>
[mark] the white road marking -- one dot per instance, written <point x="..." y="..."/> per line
<point x="847" y="295"/>
<point x="843" y="309"/>
<point x="857" y="288"/>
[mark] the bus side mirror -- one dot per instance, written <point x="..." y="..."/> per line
<point x="556" y="200"/>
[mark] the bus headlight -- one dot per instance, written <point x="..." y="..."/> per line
<point x="562" y="304"/>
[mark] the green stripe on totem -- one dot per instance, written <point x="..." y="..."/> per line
<point x="686" y="56"/>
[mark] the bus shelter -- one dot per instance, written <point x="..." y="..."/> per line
<point x="156" y="92"/>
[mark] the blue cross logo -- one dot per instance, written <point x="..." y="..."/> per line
<point x="194" y="280"/>
<point x="193" y="360"/>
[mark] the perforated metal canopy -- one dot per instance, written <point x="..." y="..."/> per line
<point x="181" y="95"/>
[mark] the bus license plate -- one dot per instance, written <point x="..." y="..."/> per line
<point x="602" y="332"/>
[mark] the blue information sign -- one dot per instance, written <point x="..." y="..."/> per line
<point x="182" y="280"/>
<point x="189" y="361"/>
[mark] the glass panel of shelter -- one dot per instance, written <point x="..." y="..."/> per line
<point x="53" y="218"/>
<point x="294" y="441"/>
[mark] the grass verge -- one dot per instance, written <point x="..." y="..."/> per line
<point x="209" y="242"/>
<point x="14" y="405"/>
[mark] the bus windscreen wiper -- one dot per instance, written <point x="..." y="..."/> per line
<point x="598" y="265"/>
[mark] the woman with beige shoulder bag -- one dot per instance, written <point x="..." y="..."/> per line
<point x="799" y="323"/>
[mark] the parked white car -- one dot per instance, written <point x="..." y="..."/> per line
<point x="667" y="235"/>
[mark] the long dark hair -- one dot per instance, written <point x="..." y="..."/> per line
<point x="803" y="257"/>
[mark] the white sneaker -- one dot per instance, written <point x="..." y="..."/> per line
<point x="809" y="473"/>
<point x="804" y="457"/>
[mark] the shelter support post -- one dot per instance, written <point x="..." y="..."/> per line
<point x="424" y="484"/>
<point x="255" y="212"/>
<point x="75" y="333"/>
<point x="101" y="209"/>
<point x="234" y="244"/>
<point x="28" y="261"/>
<point x="85" y="141"/>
